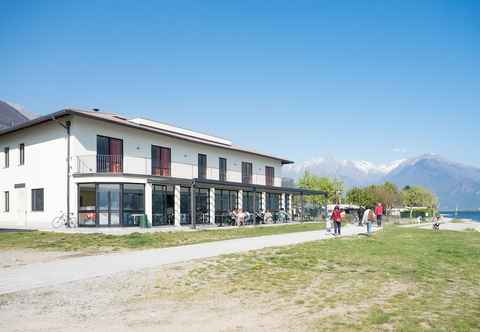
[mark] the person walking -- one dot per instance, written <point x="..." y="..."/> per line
<point x="367" y="219"/>
<point x="379" y="214"/>
<point x="337" y="220"/>
<point x="361" y="212"/>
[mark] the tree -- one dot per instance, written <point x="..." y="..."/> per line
<point x="387" y="194"/>
<point x="360" y="196"/>
<point x="418" y="196"/>
<point x="334" y="189"/>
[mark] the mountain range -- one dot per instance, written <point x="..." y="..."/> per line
<point x="455" y="184"/>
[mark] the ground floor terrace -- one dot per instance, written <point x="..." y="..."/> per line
<point x="112" y="202"/>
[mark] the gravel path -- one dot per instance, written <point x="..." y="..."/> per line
<point x="79" y="268"/>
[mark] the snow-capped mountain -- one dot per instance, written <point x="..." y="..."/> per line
<point x="352" y="172"/>
<point x="453" y="183"/>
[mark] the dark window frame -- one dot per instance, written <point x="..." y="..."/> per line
<point x="107" y="162"/>
<point x="6" y="163"/>
<point x="222" y="169"/>
<point x="98" y="210"/>
<point x="21" y="149"/>
<point x="202" y="166"/>
<point x="247" y="172"/>
<point x="36" y="207"/>
<point x="164" y="168"/>
<point x="161" y="215"/>
<point x="269" y="176"/>
<point x="7" y="201"/>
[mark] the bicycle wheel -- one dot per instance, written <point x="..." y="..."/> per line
<point x="57" y="222"/>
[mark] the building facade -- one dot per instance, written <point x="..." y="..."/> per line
<point x="108" y="170"/>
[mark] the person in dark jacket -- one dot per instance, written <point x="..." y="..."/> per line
<point x="360" y="212"/>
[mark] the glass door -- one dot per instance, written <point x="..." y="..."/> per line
<point x="163" y="205"/>
<point x="108" y="198"/>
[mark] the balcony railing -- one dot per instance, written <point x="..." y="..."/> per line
<point x="90" y="164"/>
<point x="109" y="163"/>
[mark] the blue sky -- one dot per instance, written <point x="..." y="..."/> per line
<point x="372" y="80"/>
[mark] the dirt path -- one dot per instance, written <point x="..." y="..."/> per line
<point x="79" y="268"/>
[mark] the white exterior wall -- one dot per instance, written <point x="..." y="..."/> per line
<point x="137" y="153"/>
<point x="45" y="167"/>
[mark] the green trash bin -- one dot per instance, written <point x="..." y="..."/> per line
<point x="142" y="221"/>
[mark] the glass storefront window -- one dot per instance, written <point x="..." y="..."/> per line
<point x="110" y="204"/>
<point x="163" y="206"/>
<point x="87" y="204"/>
<point x="202" y="203"/>
<point x="133" y="203"/>
<point x="225" y="202"/>
<point x="185" y="206"/>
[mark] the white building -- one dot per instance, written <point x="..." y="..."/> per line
<point x="105" y="169"/>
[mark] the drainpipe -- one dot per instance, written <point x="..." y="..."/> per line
<point x="68" y="124"/>
<point x="67" y="127"/>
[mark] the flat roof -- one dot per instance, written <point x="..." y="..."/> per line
<point x="120" y="120"/>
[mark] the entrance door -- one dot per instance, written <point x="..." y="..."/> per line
<point x="163" y="205"/>
<point x="21" y="206"/>
<point x="108" y="198"/>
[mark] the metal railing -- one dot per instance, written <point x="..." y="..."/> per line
<point x="89" y="164"/>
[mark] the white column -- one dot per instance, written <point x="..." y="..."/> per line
<point x="264" y="200"/>
<point x="282" y="201"/>
<point x="212" y="205"/>
<point x="177" y="205"/>
<point x="240" y="199"/>
<point x="290" y="205"/>
<point x="148" y="202"/>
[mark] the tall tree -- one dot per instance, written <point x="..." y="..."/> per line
<point x="334" y="189"/>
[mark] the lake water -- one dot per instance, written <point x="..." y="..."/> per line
<point x="474" y="215"/>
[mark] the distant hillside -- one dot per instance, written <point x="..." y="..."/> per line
<point x="453" y="183"/>
<point x="12" y="115"/>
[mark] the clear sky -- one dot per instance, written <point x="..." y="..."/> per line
<point x="372" y="80"/>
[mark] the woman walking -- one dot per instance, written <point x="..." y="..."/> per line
<point x="337" y="220"/>
<point x="367" y="219"/>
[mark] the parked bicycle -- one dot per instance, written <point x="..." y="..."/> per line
<point x="62" y="220"/>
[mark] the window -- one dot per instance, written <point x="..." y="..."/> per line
<point x="225" y="202"/>
<point x="7" y="201"/>
<point x="258" y="201"/>
<point x="185" y="206"/>
<point x="37" y="199"/>
<point x="202" y="205"/>
<point x="247" y="201"/>
<point x="269" y="175"/>
<point x="133" y="203"/>
<point x="7" y="158"/>
<point x="108" y="204"/>
<point x="273" y="202"/>
<point x="202" y="166"/>
<point x="163" y="205"/>
<point x="161" y="161"/>
<point x="222" y="169"/>
<point x="109" y="155"/>
<point x="22" y="154"/>
<point x="247" y="173"/>
<point x="87" y="204"/>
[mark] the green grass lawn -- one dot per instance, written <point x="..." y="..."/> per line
<point x="401" y="279"/>
<point x="101" y="242"/>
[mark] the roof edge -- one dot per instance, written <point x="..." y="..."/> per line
<point x="82" y="113"/>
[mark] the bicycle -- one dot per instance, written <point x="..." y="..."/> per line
<point x="61" y="219"/>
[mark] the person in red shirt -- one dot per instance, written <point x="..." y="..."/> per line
<point x="379" y="214"/>
<point x="337" y="220"/>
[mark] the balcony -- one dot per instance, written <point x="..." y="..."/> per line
<point x="91" y="164"/>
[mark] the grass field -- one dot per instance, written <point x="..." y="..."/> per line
<point x="400" y="279"/>
<point x="102" y="242"/>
